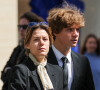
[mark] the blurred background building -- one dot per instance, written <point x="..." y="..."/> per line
<point x="10" y="10"/>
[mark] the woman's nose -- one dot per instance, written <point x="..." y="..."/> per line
<point x="41" y="42"/>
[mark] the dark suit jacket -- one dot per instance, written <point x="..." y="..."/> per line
<point x="82" y="76"/>
<point x="25" y="77"/>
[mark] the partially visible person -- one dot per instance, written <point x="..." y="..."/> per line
<point x="99" y="41"/>
<point x="18" y="53"/>
<point x="35" y="73"/>
<point x="91" y="49"/>
<point x="65" y="24"/>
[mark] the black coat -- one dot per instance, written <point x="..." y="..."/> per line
<point x="17" y="56"/>
<point x="82" y="76"/>
<point x="25" y="77"/>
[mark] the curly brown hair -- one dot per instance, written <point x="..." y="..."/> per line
<point x="65" y="17"/>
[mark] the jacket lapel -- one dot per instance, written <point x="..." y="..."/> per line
<point x="51" y="57"/>
<point x="52" y="75"/>
<point x="33" y="72"/>
<point x="75" y="70"/>
<point x="35" y="79"/>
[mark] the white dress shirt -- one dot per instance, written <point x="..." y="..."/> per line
<point x="59" y="55"/>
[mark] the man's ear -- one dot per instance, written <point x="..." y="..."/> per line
<point x="27" y="46"/>
<point x="54" y="34"/>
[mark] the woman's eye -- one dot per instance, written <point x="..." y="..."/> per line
<point x="45" y="39"/>
<point x="36" y="39"/>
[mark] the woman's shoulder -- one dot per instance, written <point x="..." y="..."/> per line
<point x="20" y="68"/>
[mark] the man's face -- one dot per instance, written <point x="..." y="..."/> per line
<point x="68" y="37"/>
<point x="23" y="23"/>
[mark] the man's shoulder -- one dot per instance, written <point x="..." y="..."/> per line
<point x="80" y="58"/>
<point x="78" y="55"/>
<point x="81" y="61"/>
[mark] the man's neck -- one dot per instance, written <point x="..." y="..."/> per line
<point x="62" y="49"/>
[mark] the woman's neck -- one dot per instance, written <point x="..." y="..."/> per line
<point x="41" y="59"/>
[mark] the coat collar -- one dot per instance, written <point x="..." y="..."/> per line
<point x="51" y="57"/>
<point x="33" y="73"/>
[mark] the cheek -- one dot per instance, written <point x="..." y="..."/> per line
<point x="94" y="46"/>
<point x="33" y="46"/>
<point x="78" y="34"/>
<point x="87" y="45"/>
<point x="47" y="46"/>
<point x="33" y="49"/>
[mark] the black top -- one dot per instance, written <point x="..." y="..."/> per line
<point x="25" y="76"/>
<point x="17" y="57"/>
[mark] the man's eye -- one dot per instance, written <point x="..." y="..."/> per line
<point x="78" y="29"/>
<point x="45" y="39"/>
<point x="70" y="29"/>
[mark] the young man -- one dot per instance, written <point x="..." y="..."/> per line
<point x="65" y="24"/>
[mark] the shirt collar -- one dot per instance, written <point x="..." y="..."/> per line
<point x="59" y="55"/>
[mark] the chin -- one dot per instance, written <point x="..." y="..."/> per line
<point x="74" y="45"/>
<point x="43" y="54"/>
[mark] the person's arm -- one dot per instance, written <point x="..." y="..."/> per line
<point x="87" y="75"/>
<point x="90" y="83"/>
<point x="5" y="73"/>
<point x="18" y="80"/>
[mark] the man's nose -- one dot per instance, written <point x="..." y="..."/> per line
<point x="76" y="32"/>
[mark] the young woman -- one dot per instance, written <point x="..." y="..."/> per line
<point x="35" y="73"/>
<point x="91" y="49"/>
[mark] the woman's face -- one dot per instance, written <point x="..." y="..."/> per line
<point x="22" y="30"/>
<point x="39" y="43"/>
<point x="91" y="45"/>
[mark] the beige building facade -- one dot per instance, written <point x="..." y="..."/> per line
<point x="10" y="10"/>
